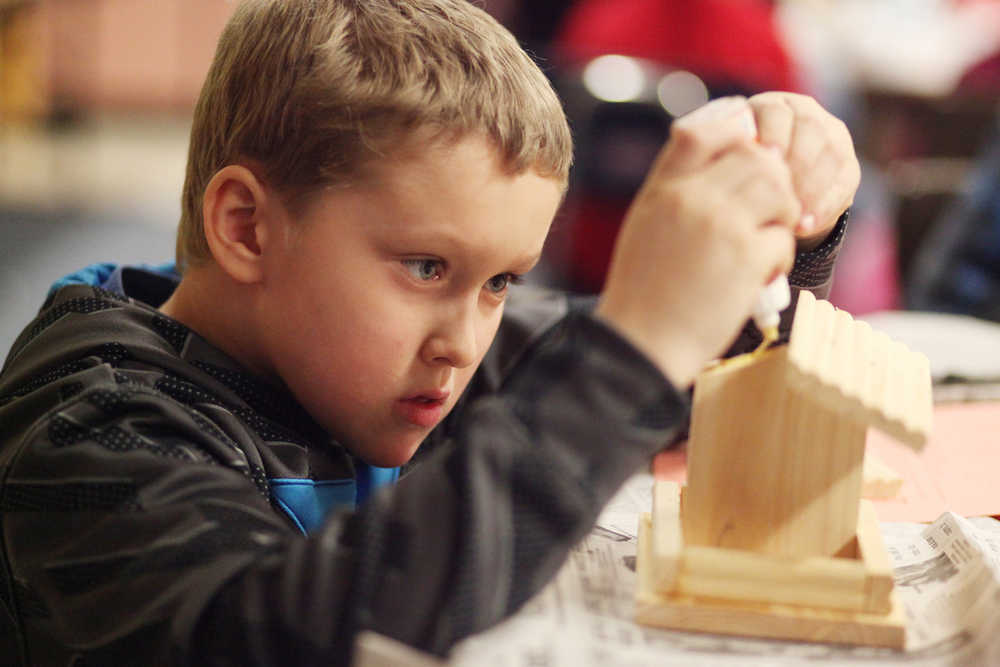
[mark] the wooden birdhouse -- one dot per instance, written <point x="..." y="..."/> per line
<point x="770" y="537"/>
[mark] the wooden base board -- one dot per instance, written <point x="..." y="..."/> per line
<point x="759" y="619"/>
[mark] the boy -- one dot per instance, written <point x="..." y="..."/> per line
<point x="187" y="468"/>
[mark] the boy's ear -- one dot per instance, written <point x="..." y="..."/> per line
<point x="234" y="213"/>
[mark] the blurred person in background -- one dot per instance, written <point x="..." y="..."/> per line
<point x="957" y="266"/>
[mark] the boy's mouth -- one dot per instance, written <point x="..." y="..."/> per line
<point x="425" y="409"/>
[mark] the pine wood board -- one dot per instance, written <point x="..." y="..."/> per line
<point x="759" y="619"/>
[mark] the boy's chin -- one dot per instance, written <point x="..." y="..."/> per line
<point x="389" y="455"/>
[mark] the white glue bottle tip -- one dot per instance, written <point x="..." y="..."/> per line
<point x="773" y="299"/>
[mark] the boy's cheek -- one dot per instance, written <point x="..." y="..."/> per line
<point x="463" y="376"/>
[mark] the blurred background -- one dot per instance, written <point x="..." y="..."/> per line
<point x="96" y="98"/>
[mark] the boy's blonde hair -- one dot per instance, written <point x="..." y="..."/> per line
<point x="306" y="92"/>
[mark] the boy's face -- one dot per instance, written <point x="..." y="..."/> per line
<point x="385" y="296"/>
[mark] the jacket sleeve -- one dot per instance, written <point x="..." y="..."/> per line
<point x="133" y="534"/>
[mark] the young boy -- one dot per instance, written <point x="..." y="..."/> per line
<point x="186" y="469"/>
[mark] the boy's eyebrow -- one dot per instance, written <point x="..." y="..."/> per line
<point x="453" y="241"/>
<point x="529" y="261"/>
<point x="523" y="265"/>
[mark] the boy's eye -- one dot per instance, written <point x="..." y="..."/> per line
<point x="424" y="269"/>
<point x="500" y="282"/>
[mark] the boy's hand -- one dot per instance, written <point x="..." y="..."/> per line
<point x="712" y="224"/>
<point x="819" y="153"/>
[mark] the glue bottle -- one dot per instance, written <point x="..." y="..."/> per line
<point x="774" y="298"/>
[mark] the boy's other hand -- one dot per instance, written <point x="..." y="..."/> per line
<point x="712" y="224"/>
<point x="818" y="150"/>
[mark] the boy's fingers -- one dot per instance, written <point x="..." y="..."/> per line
<point x="819" y="152"/>
<point x="700" y="136"/>
<point x="778" y="251"/>
<point x="759" y="183"/>
<point x="816" y="180"/>
<point x="770" y="206"/>
<point x="826" y="185"/>
<point x="718" y="110"/>
<point x="807" y="145"/>
<point x="775" y="119"/>
<point x="770" y="197"/>
<point x="832" y="204"/>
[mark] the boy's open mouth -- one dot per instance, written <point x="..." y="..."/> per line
<point x="424" y="410"/>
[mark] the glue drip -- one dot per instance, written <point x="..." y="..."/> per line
<point x="766" y="315"/>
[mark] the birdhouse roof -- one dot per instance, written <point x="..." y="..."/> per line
<point x="846" y="365"/>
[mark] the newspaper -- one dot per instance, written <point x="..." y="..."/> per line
<point x="947" y="576"/>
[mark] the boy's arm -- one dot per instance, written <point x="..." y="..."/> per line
<point x="138" y="529"/>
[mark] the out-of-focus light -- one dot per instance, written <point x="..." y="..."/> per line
<point x="614" y="78"/>
<point x="680" y="92"/>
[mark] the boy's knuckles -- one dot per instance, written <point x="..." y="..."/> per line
<point x="812" y="129"/>
<point x="772" y="105"/>
<point x="666" y="195"/>
<point x="842" y="133"/>
<point x="775" y="177"/>
<point x="756" y="195"/>
<point x="805" y="104"/>
<point x="684" y="139"/>
<point x="819" y="178"/>
<point x="778" y="166"/>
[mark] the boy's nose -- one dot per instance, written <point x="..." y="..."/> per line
<point x="454" y="342"/>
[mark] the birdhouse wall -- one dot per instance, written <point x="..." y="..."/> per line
<point x="770" y="469"/>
